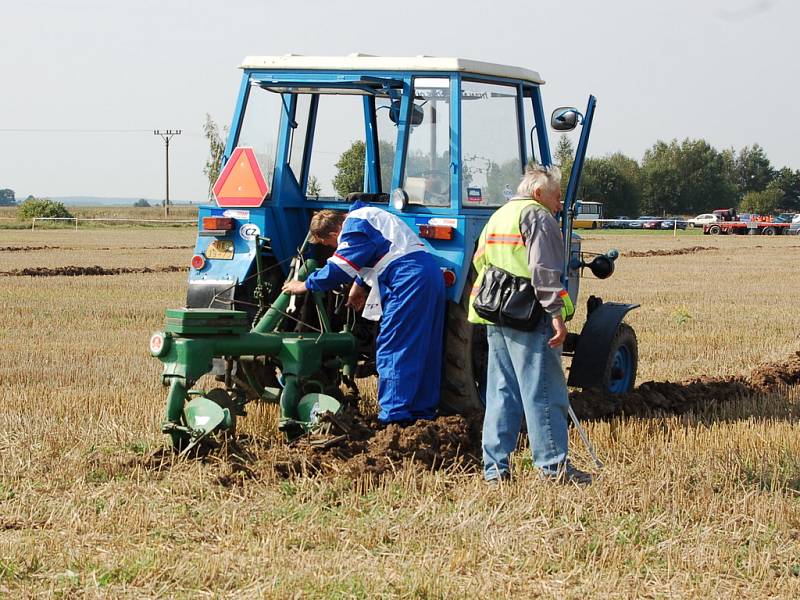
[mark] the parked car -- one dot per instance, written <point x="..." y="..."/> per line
<point x="794" y="228"/>
<point x="785" y="218"/>
<point x="704" y="219"/>
<point x="618" y="223"/>
<point x="674" y="222"/>
<point x="654" y="223"/>
<point x="640" y="222"/>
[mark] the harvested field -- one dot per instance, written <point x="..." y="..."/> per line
<point x="700" y="494"/>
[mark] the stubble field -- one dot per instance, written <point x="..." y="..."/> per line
<point x="701" y="503"/>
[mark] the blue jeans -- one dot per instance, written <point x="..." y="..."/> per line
<point x="524" y="377"/>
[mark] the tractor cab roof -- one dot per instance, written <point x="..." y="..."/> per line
<point x="366" y="62"/>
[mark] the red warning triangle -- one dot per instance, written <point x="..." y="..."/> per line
<point x="241" y="182"/>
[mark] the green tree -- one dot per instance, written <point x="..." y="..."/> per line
<point x="350" y="170"/>
<point x="788" y="182"/>
<point x="313" y="190"/>
<point x="141" y="203"/>
<point x="564" y="157"/>
<point x="216" y="148"/>
<point x="500" y="176"/>
<point x="614" y="181"/>
<point x="386" y="155"/>
<point x="42" y="207"/>
<point x="7" y="197"/>
<point x="687" y="177"/>
<point x="752" y="169"/>
<point x="763" y="203"/>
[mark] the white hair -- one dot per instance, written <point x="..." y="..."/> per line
<point x="538" y="176"/>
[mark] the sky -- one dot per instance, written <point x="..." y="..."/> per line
<point x="83" y="83"/>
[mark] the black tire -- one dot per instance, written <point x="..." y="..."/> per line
<point x="715" y="230"/>
<point x="625" y="338"/>
<point x="769" y="231"/>
<point x="465" y="358"/>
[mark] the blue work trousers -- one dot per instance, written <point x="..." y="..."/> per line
<point x="409" y="344"/>
<point x="524" y="378"/>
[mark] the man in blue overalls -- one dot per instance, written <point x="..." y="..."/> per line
<point x="376" y="248"/>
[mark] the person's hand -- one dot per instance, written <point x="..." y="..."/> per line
<point x="560" y="332"/>
<point x="357" y="297"/>
<point x="294" y="287"/>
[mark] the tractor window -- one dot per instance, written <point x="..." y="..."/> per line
<point x="489" y="144"/>
<point x="338" y="154"/>
<point x="298" y="135"/>
<point x="530" y="132"/>
<point x="387" y="139"/>
<point x="427" y="174"/>
<point x="260" y="128"/>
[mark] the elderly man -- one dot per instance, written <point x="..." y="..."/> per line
<point x="525" y="376"/>
<point x="376" y="248"/>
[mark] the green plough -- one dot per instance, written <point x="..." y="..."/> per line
<point x="304" y="365"/>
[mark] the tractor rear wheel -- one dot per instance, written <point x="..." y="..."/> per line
<point x="465" y="358"/>
<point x="623" y="360"/>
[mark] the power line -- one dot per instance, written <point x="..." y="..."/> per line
<point x="42" y="130"/>
<point x="38" y="130"/>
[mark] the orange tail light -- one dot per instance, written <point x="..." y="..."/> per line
<point x="436" y="232"/>
<point x="217" y="223"/>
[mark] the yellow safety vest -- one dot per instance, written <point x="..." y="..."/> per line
<point x="502" y="246"/>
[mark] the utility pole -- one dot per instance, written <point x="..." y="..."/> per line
<point x="166" y="135"/>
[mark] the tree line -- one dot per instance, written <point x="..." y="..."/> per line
<point x="687" y="177"/>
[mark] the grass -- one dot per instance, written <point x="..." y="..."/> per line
<point x="181" y="212"/>
<point x="696" y="505"/>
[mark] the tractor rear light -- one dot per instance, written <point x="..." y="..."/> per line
<point x="449" y="277"/>
<point x="218" y="223"/>
<point x="436" y="232"/>
<point x="198" y="262"/>
<point x="159" y="343"/>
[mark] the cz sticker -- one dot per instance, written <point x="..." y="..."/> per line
<point x="249" y="231"/>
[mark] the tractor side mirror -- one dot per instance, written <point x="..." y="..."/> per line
<point x="417" y="114"/>
<point x="564" y="118"/>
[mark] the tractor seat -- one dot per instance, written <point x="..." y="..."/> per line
<point x="369" y="198"/>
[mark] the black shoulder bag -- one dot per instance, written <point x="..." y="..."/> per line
<point x="507" y="300"/>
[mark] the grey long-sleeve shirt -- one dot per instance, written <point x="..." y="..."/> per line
<point x="544" y="243"/>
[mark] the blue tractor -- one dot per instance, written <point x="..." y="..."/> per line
<point x="440" y="142"/>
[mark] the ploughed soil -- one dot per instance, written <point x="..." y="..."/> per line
<point x="78" y="271"/>
<point x="664" y="397"/>
<point x="358" y="447"/>
<point x="674" y="252"/>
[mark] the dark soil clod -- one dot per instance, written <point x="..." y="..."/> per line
<point x="78" y="271"/>
<point x="675" y="252"/>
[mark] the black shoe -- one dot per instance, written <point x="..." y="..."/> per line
<point x="496" y="481"/>
<point x="566" y="473"/>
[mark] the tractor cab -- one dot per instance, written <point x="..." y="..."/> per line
<point x="441" y="142"/>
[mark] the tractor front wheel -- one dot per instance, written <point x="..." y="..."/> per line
<point x="623" y="360"/>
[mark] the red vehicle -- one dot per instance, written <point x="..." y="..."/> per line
<point x="731" y="223"/>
